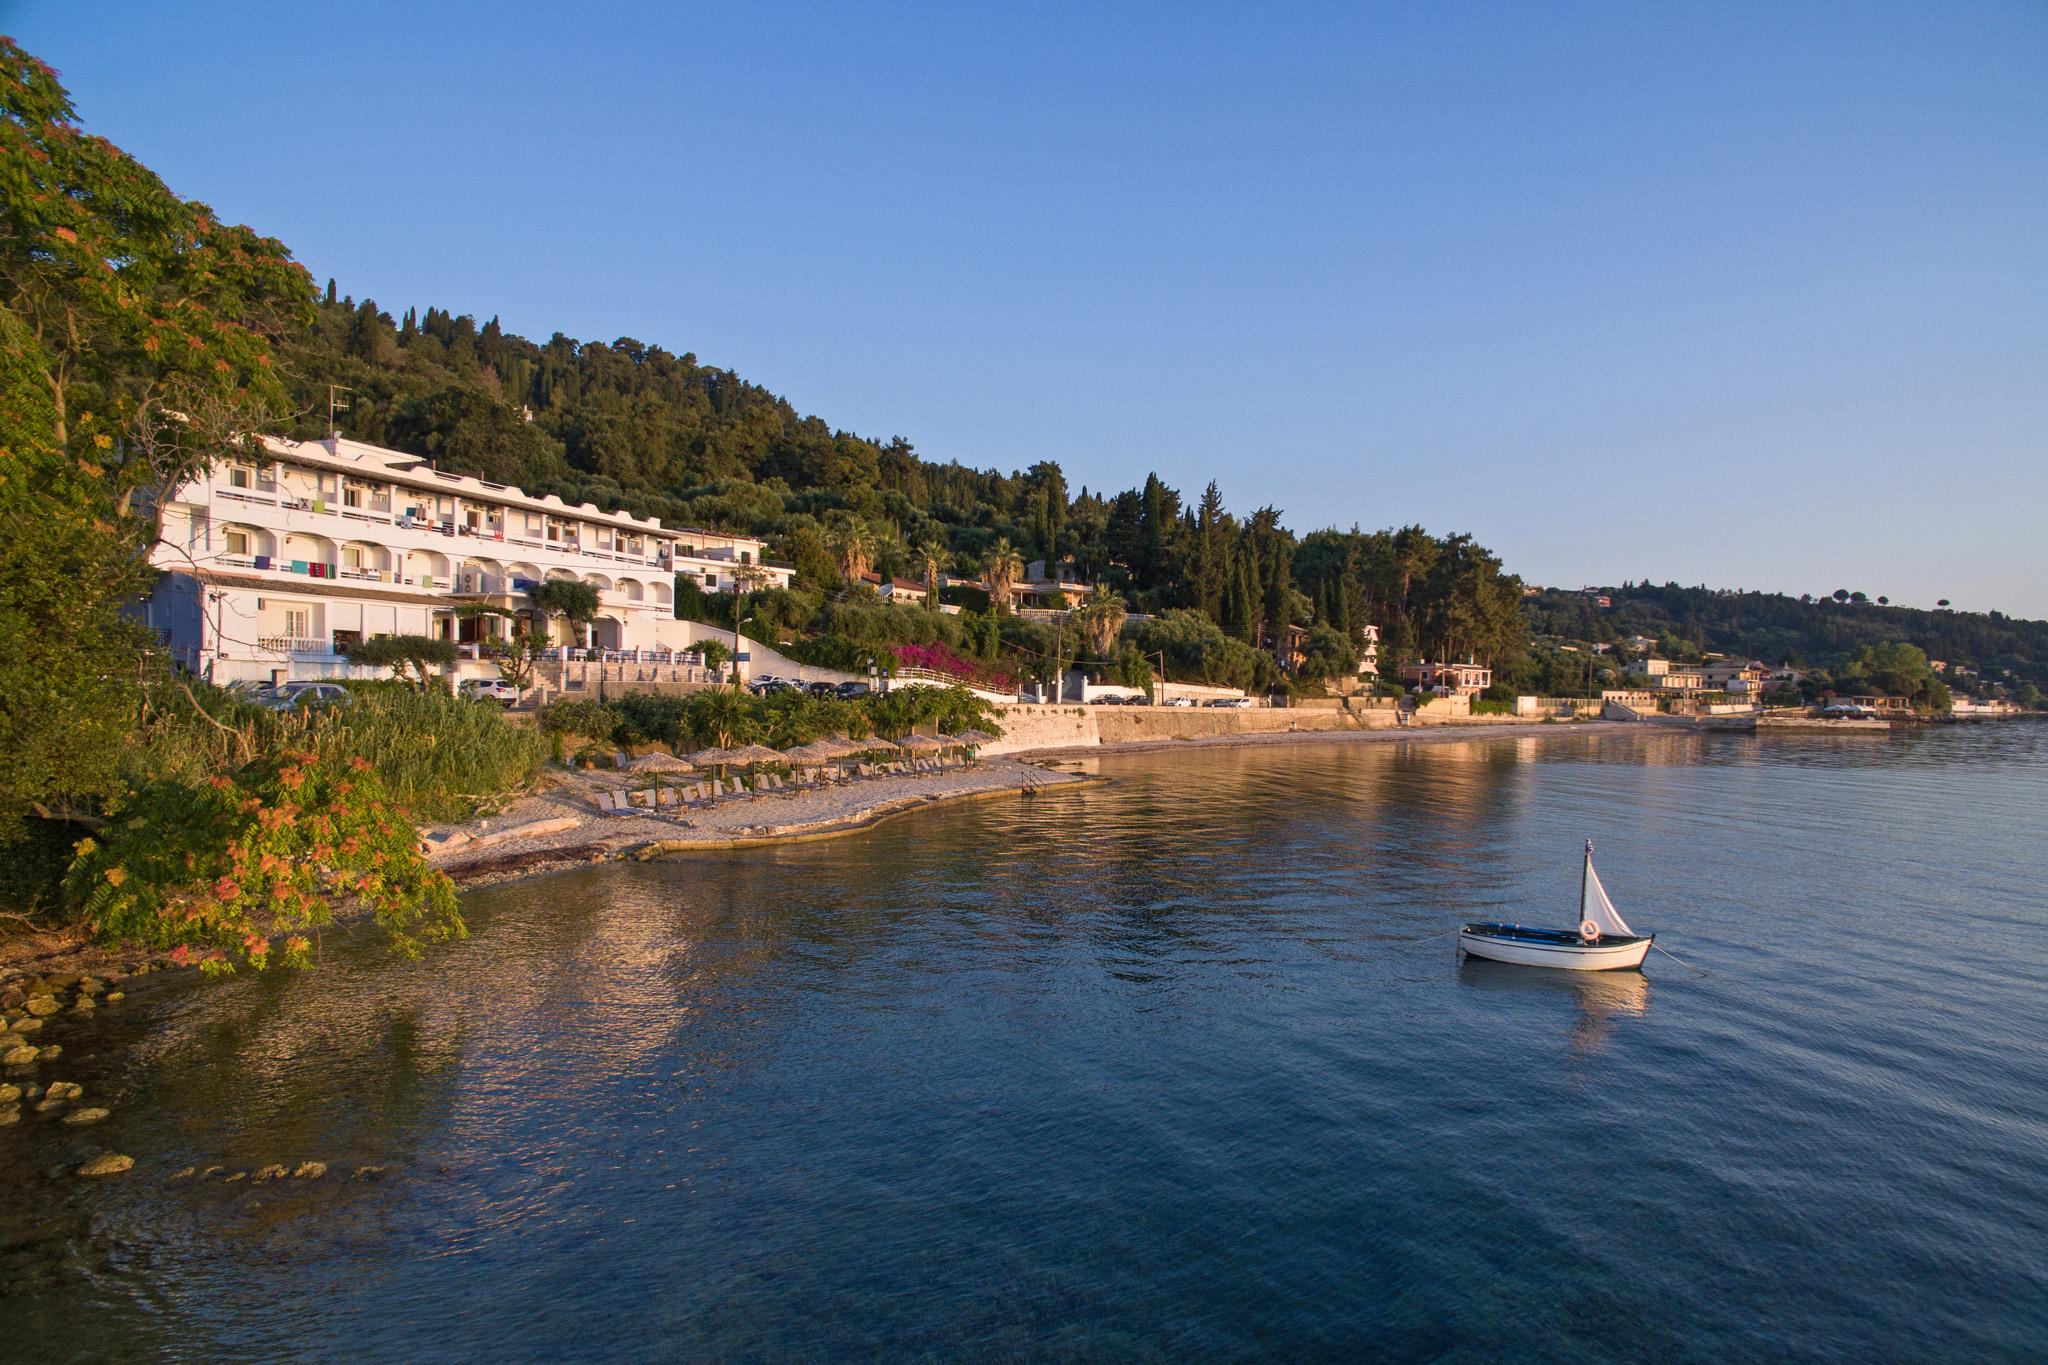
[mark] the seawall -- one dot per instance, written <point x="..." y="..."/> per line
<point x="1071" y="726"/>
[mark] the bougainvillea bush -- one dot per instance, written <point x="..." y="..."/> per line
<point x="240" y="868"/>
<point x="940" y="659"/>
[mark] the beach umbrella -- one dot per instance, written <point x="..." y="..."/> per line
<point x="973" y="737"/>
<point x="659" y="763"/>
<point x="752" y="755"/>
<point x="920" y="743"/>
<point x="812" y="755"/>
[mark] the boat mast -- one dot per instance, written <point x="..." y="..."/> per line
<point x="1584" y="868"/>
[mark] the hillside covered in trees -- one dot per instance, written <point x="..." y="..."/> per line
<point x="629" y="424"/>
<point x="1809" y="632"/>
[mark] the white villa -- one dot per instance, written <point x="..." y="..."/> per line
<point x="272" y="565"/>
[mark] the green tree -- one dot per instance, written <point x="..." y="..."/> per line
<point x="1101" y="617"/>
<point x="135" y="332"/>
<point x="932" y="559"/>
<point x="571" y="599"/>
<point x="1001" y="567"/>
<point x="421" y="657"/>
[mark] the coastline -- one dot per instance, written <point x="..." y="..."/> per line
<point x="578" y="836"/>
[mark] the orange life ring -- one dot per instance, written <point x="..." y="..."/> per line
<point x="1589" y="931"/>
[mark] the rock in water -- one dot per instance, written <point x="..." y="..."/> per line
<point x="237" y="1175"/>
<point x="10" y="1114"/>
<point x="9" y="1093"/>
<point x="52" y="1052"/>
<point x="310" y="1170"/>
<point x="108" y="1163"/>
<point x="271" y="1172"/>
<point x="64" y="1090"/>
<point x="85" y="1002"/>
<point x="112" y="996"/>
<point x="19" y="1056"/>
<point x="91" y="986"/>
<point x="186" y="1174"/>
<point x="40" y="1005"/>
<point x="367" y="1173"/>
<point x="85" y="1115"/>
<point x="26" y="1026"/>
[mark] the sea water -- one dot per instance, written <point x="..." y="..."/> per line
<point x="1182" y="1066"/>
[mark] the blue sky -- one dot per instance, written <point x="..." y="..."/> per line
<point x="1754" y="295"/>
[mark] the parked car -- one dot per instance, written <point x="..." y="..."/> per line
<point x="1178" y="701"/>
<point x="491" y="689"/>
<point x="822" y="690"/>
<point x="853" y="691"/>
<point x="304" y="696"/>
<point x="1231" y="703"/>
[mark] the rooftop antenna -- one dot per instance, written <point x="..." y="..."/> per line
<point x="335" y="404"/>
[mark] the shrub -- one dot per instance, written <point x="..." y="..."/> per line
<point x="440" y="757"/>
<point x="237" y="867"/>
<point x="585" y="716"/>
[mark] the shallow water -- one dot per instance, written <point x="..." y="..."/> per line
<point x="1182" y="1066"/>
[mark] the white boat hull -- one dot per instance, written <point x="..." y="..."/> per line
<point x="1571" y="957"/>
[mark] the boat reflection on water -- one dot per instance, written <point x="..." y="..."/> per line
<point x="1602" y="997"/>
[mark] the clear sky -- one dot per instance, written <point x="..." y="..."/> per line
<point x="1754" y="295"/>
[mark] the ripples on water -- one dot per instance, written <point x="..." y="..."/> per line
<point x="1178" y="1067"/>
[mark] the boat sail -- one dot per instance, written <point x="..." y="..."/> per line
<point x="1602" y="942"/>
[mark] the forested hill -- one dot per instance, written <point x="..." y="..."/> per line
<point x="632" y="425"/>
<point x="1815" y="632"/>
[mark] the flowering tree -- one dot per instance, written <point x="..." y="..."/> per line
<point x="238" y="869"/>
<point x="135" y="333"/>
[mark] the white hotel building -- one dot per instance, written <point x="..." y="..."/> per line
<point x="272" y="565"/>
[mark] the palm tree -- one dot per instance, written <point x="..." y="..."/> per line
<point x="932" y="559"/>
<point x="721" y="717"/>
<point x="1101" y="615"/>
<point x="1000" y="570"/>
<point x="855" y="545"/>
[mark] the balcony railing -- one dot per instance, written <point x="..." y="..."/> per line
<point x="293" y="644"/>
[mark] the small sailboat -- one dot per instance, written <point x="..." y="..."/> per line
<point x="1603" y="942"/>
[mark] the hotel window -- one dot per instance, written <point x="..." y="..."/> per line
<point x="238" y="542"/>
<point x="352" y="496"/>
<point x="298" y="623"/>
<point x="238" y="477"/>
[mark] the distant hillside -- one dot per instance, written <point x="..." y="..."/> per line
<point x="1815" y="632"/>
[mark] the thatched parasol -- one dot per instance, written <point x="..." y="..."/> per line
<point x="812" y="755"/>
<point x="658" y="763"/>
<point x="920" y="743"/>
<point x="751" y="755"/>
<point x="971" y="738"/>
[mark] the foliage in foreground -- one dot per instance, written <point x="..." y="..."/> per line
<point x="238" y="868"/>
<point x="438" y="756"/>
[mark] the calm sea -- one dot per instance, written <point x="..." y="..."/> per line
<point x="1180" y="1067"/>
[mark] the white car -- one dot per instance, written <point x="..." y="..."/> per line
<point x="491" y="689"/>
<point x="1232" y="703"/>
<point x="1178" y="701"/>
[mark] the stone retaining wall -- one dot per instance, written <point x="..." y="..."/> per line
<point x="1027" y="727"/>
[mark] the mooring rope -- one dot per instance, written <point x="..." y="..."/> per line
<point x="1680" y="961"/>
